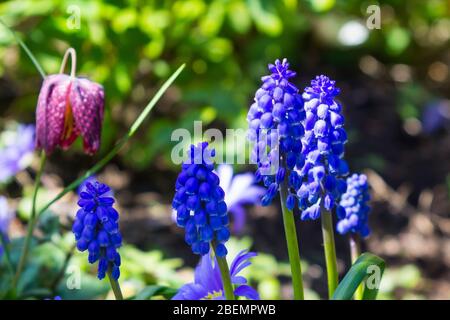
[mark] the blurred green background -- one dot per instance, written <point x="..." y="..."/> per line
<point x="395" y="91"/>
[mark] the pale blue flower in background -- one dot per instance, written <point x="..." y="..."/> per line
<point x="239" y="190"/>
<point x="208" y="284"/>
<point x="16" y="152"/>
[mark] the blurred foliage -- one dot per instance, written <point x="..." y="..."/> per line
<point x="400" y="283"/>
<point x="130" y="45"/>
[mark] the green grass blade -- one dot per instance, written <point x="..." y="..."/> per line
<point x="367" y="269"/>
<point x="27" y="51"/>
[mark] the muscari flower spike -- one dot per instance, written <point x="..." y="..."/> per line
<point x="69" y="106"/>
<point x="275" y="127"/>
<point x="323" y="150"/>
<point x="96" y="228"/>
<point x="199" y="202"/>
<point x="354" y="217"/>
<point x="208" y="284"/>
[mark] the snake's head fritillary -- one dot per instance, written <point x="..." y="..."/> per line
<point x="69" y="107"/>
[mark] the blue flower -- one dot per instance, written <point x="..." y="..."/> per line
<point x="275" y="127"/>
<point x="239" y="190"/>
<point x="17" y="151"/>
<point x="6" y="216"/>
<point x="354" y="216"/>
<point x="322" y="149"/>
<point x="199" y="202"/>
<point x="96" y="228"/>
<point x="208" y="283"/>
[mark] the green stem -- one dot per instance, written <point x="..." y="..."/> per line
<point x="292" y="244"/>
<point x="225" y="275"/>
<point x="355" y="251"/>
<point x="27" y="51"/>
<point x="115" y="286"/>
<point x="31" y="223"/>
<point x="7" y="255"/>
<point x="330" y="252"/>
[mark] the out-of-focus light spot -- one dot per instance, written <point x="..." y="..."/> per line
<point x="353" y="33"/>
<point x="208" y="114"/>
<point x="438" y="71"/>
<point x="322" y="5"/>
<point x="199" y="66"/>
<point x="398" y="40"/>
<point x="401" y="73"/>
<point x="412" y="126"/>
<point x="370" y="66"/>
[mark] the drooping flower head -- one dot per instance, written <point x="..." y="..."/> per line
<point x="275" y="128"/>
<point x="199" y="202"/>
<point x="16" y="153"/>
<point x="239" y="190"/>
<point x="323" y="150"/>
<point x="354" y="217"/>
<point x="208" y="284"/>
<point x="96" y="228"/>
<point x="67" y="107"/>
<point x="6" y="216"/>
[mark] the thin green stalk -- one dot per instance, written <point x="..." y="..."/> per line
<point x="330" y="252"/>
<point x="355" y="250"/>
<point x="225" y="275"/>
<point x="27" y="51"/>
<point x="115" y="286"/>
<point x="7" y="255"/>
<point x="292" y="244"/>
<point x="31" y="223"/>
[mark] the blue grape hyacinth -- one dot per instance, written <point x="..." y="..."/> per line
<point x="199" y="203"/>
<point x="96" y="228"/>
<point x="354" y="217"/>
<point x="323" y="149"/>
<point x="275" y="126"/>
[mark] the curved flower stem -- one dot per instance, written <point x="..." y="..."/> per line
<point x="330" y="251"/>
<point x="31" y="222"/>
<point x="7" y="255"/>
<point x="225" y="275"/>
<point x="355" y="251"/>
<point x="292" y="243"/>
<point x="115" y="286"/>
<point x="73" y="56"/>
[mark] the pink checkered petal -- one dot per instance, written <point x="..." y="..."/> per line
<point x="50" y="112"/>
<point x="87" y="102"/>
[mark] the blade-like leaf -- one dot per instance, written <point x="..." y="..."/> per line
<point x="368" y="268"/>
<point x="154" y="290"/>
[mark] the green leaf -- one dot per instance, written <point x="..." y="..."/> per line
<point x="90" y="288"/>
<point x="367" y="269"/>
<point x="151" y="291"/>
